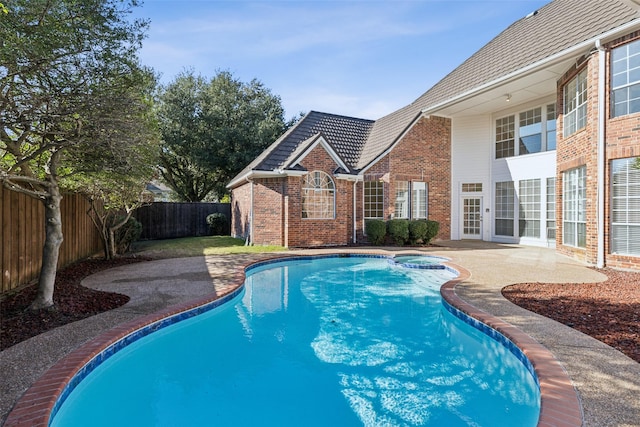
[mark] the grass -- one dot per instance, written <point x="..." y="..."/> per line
<point x="198" y="246"/>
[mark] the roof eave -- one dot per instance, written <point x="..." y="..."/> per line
<point x="574" y="51"/>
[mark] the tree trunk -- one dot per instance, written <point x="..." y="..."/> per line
<point x="51" y="249"/>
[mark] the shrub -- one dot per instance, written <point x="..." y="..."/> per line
<point x="418" y="229"/>
<point x="399" y="230"/>
<point x="433" y="227"/>
<point x="217" y="223"/>
<point x="127" y="234"/>
<point x="376" y="230"/>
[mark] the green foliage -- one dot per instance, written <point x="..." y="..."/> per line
<point x="376" y="230"/>
<point x="433" y="228"/>
<point x="418" y="229"/>
<point x="127" y="234"/>
<point x="399" y="230"/>
<point x="218" y="223"/>
<point x="211" y="129"/>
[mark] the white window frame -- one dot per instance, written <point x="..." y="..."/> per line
<point x="625" y="206"/>
<point x="575" y="104"/>
<point x="625" y="79"/>
<point x="574" y="207"/>
<point x="419" y="200"/>
<point x="318" y="196"/>
<point x="529" y="198"/>
<point x="373" y="199"/>
<point x="509" y="129"/>
<point x="403" y="200"/>
<point x="504" y="206"/>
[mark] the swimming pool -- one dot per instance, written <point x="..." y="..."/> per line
<point x="329" y="341"/>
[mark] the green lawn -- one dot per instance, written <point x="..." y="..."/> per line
<point x="198" y="246"/>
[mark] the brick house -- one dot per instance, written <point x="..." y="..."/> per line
<point x="534" y="139"/>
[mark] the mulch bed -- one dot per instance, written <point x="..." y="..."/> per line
<point x="72" y="302"/>
<point x="608" y="311"/>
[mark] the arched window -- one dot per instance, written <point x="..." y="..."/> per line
<point x="318" y="196"/>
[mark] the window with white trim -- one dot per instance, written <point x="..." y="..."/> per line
<point x="504" y="208"/>
<point x="574" y="207"/>
<point x="505" y="133"/>
<point x="575" y="104"/>
<point x="412" y="199"/>
<point x="535" y="131"/>
<point x="625" y="79"/>
<point x="551" y="208"/>
<point x="625" y="206"/>
<point x="529" y="197"/>
<point x="419" y="200"/>
<point x="374" y="199"/>
<point x="318" y="196"/>
<point x="402" y="199"/>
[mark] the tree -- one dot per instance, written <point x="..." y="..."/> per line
<point x="72" y="93"/>
<point x="213" y="129"/>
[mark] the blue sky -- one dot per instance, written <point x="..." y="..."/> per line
<point x="360" y="58"/>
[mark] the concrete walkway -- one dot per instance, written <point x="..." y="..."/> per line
<point x="608" y="382"/>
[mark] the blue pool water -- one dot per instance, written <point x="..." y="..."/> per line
<point x="323" y="342"/>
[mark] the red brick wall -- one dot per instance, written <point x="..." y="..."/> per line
<point x="304" y="232"/>
<point x="622" y="141"/>
<point x="240" y="210"/>
<point x="424" y="154"/>
<point x="622" y="136"/>
<point x="579" y="149"/>
<point x="268" y="211"/>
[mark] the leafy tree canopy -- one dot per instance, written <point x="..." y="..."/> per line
<point x="211" y="129"/>
<point x="74" y="101"/>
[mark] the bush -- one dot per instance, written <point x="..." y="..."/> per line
<point x="418" y="229"/>
<point x="433" y="228"/>
<point x="217" y="223"/>
<point x="399" y="230"/>
<point x="376" y="230"/>
<point x="127" y="234"/>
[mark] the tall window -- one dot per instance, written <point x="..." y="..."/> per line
<point x="625" y="210"/>
<point x="318" y="196"/>
<point x="531" y="131"/>
<point x="551" y="208"/>
<point x="411" y="200"/>
<point x="551" y="127"/>
<point x="373" y="199"/>
<point x="419" y="200"/>
<point x="625" y="79"/>
<point x="504" y="208"/>
<point x="402" y="199"/>
<point x="505" y="133"/>
<point x="574" y="207"/>
<point x="575" y="104"/>
<point x="529" y="196"/>
<point x="534" y="129"/>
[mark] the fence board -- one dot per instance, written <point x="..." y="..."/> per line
<point x="166" y="220"/>
<point x="22" y="236"/>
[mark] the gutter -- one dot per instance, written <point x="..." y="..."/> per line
<point x="576" y="49"/>
<point x="601" y="167"/>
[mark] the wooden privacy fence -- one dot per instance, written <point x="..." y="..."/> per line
<point x="22" y="236"/>
<point x="168" y="220"/>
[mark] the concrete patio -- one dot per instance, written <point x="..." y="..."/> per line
<point x="608" y="383"/>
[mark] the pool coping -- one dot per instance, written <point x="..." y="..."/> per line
<point x="559" y="400"/>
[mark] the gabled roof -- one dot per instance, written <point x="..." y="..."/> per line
<point x="549" y="31"/>
<point x="345" y="135"/>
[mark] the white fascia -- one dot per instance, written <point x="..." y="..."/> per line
<point x="575" y="50"/>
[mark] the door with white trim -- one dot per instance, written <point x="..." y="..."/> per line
<point x="471" y="217"/>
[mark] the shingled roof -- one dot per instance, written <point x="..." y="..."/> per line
<point x="551" y="30"/>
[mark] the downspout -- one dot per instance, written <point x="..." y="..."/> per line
<point x="249" y="239"/>
<point x="601" y="153"/>
<point x="355" y="225"/>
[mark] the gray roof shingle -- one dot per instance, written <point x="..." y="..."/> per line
<point x="555" y="27"/>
